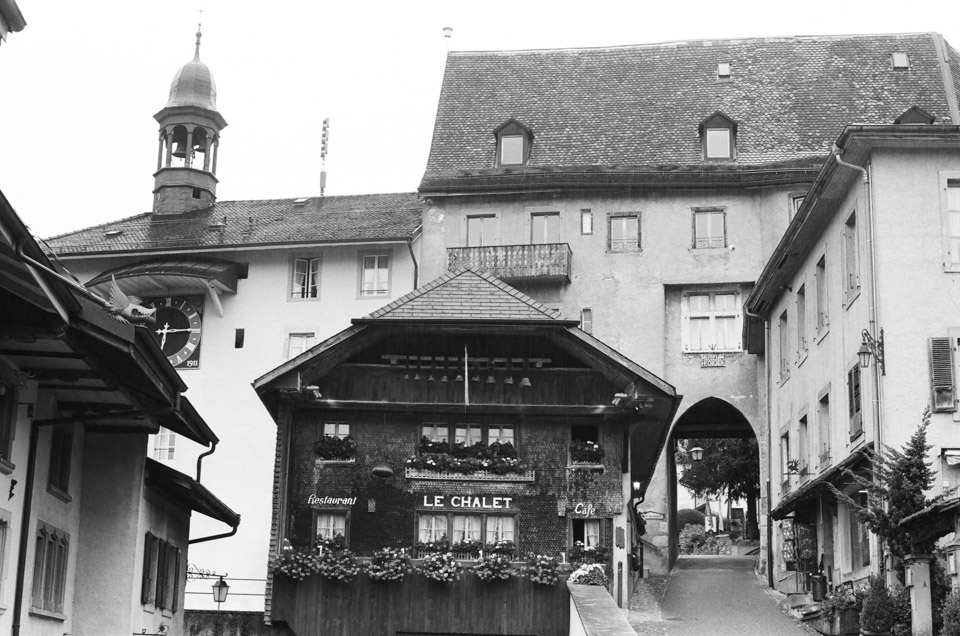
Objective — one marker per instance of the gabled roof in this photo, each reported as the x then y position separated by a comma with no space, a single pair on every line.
232,224
635,109
466,295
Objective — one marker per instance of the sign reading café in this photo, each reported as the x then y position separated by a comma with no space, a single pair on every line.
485,502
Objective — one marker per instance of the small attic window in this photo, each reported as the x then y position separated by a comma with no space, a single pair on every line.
513,143
900,60
112,233
723,70
300,201
718,136
915,115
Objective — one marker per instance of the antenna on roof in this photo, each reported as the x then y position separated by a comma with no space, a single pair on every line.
447,33
324,139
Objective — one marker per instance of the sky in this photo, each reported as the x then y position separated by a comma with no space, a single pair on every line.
80,84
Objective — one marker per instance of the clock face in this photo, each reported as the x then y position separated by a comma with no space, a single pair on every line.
178,329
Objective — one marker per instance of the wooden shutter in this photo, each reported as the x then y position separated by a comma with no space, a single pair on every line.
161,585
941,375
174,602
147,587
853,400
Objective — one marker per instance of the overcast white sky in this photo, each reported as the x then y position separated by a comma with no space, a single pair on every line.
79,86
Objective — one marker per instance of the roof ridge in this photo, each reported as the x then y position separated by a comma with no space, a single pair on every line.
416,293
516,293
99,225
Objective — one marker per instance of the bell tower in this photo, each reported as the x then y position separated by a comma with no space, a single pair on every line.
189,141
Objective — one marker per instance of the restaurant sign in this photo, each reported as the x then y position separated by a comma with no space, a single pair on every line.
314,500
467,501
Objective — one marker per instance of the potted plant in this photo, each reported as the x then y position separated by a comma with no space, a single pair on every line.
295,564
877,610
440,566
502,546
589,574
338,565
541,569
388,564
586,452
467,549
330,447
493,567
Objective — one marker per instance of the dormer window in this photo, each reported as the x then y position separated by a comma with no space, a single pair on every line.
915,115
513,143
723,70
899,60
718,134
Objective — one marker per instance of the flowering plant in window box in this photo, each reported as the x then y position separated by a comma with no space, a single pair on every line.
589,574
335,543
502,546
428,446
465,466
296,564
581,553
493,567
330,447
541,569
586,452
468,547
440,545
388,564
440,566
338,565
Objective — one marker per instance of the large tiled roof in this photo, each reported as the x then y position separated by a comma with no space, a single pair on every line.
468,295
228,224
600,112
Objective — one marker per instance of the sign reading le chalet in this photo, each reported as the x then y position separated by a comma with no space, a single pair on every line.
467,501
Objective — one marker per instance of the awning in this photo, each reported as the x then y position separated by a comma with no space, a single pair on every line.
163,277
189,493
792,501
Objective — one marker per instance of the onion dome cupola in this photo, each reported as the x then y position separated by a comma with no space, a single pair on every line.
190,128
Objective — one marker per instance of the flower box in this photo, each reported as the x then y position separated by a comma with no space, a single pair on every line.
480,475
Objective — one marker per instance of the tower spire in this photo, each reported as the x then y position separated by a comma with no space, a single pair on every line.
196,55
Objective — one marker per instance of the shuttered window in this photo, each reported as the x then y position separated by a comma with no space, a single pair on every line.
941,374
854,401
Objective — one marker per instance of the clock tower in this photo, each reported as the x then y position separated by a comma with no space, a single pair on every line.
189,142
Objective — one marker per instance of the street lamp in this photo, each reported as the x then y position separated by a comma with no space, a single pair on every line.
871,347
220,589
697,453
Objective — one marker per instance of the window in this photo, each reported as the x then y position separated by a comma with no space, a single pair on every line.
435,432
718,137
851,266
544,228
502,433
796,200
803,449
164,444
853,401
801,321
453,529
723,70
900,60
238,339
785,456
8,422
586,320
466,528
337,429
61,451
160,583
500,528
331,525
50,568
709,229
859,535
950,204
481,230
711,321
297,343
468,434
432,528
784,331
513,143
586,221
823,321
823,424
4,536
941,374
374,275
624,234
305,282
586,531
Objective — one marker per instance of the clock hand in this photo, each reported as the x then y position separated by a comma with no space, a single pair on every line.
187,329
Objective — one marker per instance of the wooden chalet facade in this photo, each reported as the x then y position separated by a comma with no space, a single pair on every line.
464,362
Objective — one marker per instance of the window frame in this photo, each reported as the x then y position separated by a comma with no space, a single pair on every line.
5,519
715,123
555,216
851,259
51,561
362,256
586,221
339,513
508,130
824,426
572,531
709,213
625,244
794,203
61,460
950,243
164,444
823,297
484,426
448,516
586,320
687,316
785,457
783,336
306,336
309,271
943,376
9,410
484,219
801,301
855,400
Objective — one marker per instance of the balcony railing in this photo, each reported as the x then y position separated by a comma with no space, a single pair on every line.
549,261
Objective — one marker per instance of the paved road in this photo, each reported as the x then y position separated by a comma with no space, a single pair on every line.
720,596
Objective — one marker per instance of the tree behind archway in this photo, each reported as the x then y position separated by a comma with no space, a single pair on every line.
730,467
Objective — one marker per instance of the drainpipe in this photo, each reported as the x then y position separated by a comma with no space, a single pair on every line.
213,447
214,537
416,266
769,524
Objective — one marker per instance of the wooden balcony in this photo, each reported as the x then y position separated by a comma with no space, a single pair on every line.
546,262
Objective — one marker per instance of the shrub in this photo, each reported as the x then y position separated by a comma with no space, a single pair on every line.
951,615
589,574
296,564
877,612
493,567
902,614
692,537
541,569
388,564
338,565
440,566
841,598
689,517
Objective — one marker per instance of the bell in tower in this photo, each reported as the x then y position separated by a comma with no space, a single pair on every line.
189,142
